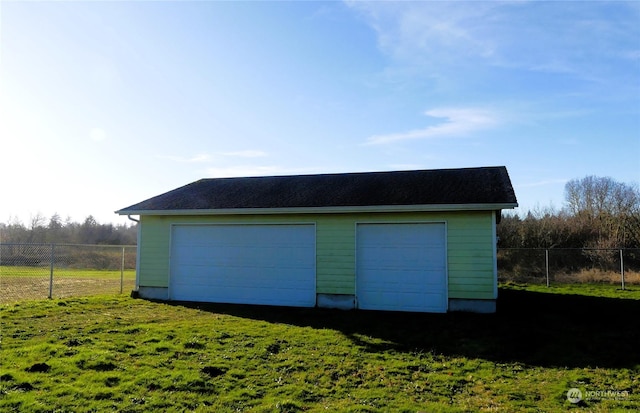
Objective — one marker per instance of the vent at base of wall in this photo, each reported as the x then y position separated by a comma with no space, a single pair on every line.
339,301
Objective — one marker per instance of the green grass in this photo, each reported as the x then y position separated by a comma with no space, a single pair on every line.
22,271
32,283
608,290
121,354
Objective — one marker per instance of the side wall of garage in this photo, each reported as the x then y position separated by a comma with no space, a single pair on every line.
471,257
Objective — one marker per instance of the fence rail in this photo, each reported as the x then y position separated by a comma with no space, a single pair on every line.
570,265
37,271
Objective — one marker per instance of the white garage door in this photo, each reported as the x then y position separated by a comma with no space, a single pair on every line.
248,264
401,267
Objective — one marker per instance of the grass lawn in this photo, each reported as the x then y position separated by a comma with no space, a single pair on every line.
127,355
11,271
605,289
32,283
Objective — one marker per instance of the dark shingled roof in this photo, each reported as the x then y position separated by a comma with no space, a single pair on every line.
488,185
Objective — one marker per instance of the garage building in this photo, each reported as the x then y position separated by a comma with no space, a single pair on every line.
422,240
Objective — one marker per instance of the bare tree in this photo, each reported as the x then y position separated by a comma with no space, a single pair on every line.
37,229
595,196
610,210
58,231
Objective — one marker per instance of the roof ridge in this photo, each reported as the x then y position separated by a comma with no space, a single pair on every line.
355,173
453,186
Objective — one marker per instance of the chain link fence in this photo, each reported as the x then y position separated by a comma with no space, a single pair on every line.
39,271
570,265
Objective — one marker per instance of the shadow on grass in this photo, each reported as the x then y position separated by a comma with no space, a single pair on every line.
542,329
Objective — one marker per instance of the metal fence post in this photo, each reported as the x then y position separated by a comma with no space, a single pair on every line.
546,263
622,268
51,271
122,272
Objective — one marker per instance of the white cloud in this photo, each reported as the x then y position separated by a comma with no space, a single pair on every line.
427,32
543,183
569,141
205,157
97,135
202,157
104,72
241,170
198,158
406,166
552,37
457,122
630,54
245,154
257,170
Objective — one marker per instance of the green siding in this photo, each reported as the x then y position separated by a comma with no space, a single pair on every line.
471,257
154,252
470,249
335,249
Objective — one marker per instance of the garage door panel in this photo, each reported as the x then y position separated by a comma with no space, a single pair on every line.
401,267
407,257
254,264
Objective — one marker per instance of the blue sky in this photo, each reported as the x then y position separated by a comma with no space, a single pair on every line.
104,104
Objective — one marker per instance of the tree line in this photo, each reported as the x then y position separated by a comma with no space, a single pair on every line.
599,212
56,231
600,217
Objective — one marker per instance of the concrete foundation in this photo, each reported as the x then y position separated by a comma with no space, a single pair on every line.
153,293
340,301
472,306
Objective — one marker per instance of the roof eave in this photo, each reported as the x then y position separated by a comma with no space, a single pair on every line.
326,210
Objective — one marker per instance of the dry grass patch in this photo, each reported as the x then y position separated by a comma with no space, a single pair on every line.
598,276
585,276
24,283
